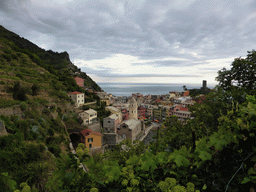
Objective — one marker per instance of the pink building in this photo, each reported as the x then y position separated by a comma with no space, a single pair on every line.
181,112
141,112
79,81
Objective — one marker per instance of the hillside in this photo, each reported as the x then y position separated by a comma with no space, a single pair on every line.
12,46
35,110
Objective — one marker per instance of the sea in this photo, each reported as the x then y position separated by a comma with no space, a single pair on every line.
126,89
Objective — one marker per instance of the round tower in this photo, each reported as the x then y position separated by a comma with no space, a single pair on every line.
133,109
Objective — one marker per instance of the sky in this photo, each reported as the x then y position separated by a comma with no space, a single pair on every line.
139,41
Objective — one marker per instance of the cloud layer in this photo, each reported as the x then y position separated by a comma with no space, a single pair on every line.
137,40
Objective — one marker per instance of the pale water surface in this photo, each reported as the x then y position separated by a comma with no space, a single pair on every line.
126,89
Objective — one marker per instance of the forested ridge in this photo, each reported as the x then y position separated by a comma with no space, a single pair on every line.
214,151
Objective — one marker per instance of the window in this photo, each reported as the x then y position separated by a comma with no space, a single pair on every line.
78,96
108,121
90,146
82,100
90,140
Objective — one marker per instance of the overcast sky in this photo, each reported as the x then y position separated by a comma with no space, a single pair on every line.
148,41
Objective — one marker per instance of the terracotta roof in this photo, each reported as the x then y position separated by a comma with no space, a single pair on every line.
97,133
87,132
74,93
183,109
158,100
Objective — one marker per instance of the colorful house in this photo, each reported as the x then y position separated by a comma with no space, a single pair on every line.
91,139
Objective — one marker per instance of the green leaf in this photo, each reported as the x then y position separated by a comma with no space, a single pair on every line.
252,125
173,173
246,180
205,155
160,158
147,164
133,160
181,161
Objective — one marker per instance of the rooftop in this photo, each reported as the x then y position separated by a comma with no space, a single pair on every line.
132,123
113,116
87,132
75,93
90,111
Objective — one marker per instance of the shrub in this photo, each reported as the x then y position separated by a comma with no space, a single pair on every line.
2,82
35,89
51,132
19,92
55,150
23,106
81,145
7,57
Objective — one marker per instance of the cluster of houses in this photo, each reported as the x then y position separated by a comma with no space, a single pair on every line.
116,127
129,115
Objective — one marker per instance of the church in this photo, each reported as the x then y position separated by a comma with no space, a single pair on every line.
131,128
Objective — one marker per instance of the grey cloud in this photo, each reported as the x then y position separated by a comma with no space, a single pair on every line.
147,29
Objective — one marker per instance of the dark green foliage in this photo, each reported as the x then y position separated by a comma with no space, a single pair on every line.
35,89
23,106
7,57
19,92
54,149
195,92
20,75
241,77
51,132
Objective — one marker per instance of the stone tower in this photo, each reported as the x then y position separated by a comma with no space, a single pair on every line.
133,109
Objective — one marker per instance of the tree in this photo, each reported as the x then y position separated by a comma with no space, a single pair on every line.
19,92
35,89
241,77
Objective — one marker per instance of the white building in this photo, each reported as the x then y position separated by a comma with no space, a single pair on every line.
88,116
77,97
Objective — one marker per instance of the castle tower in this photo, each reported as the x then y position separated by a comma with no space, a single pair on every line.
133,109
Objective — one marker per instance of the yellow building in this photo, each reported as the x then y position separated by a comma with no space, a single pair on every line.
91,139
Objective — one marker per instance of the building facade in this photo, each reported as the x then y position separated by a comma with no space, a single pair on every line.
133,109
91,139
130,129
77,97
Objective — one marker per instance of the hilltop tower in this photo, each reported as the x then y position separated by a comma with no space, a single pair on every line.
204,84
133,109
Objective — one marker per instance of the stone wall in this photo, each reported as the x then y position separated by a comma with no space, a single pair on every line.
11,111
3,131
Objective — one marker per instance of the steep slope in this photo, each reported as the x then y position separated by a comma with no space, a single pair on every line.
49,60
33,105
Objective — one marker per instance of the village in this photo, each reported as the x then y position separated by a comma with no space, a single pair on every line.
131,117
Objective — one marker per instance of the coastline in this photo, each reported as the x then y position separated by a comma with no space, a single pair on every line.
126,89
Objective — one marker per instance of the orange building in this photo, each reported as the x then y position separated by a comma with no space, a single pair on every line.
91,139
